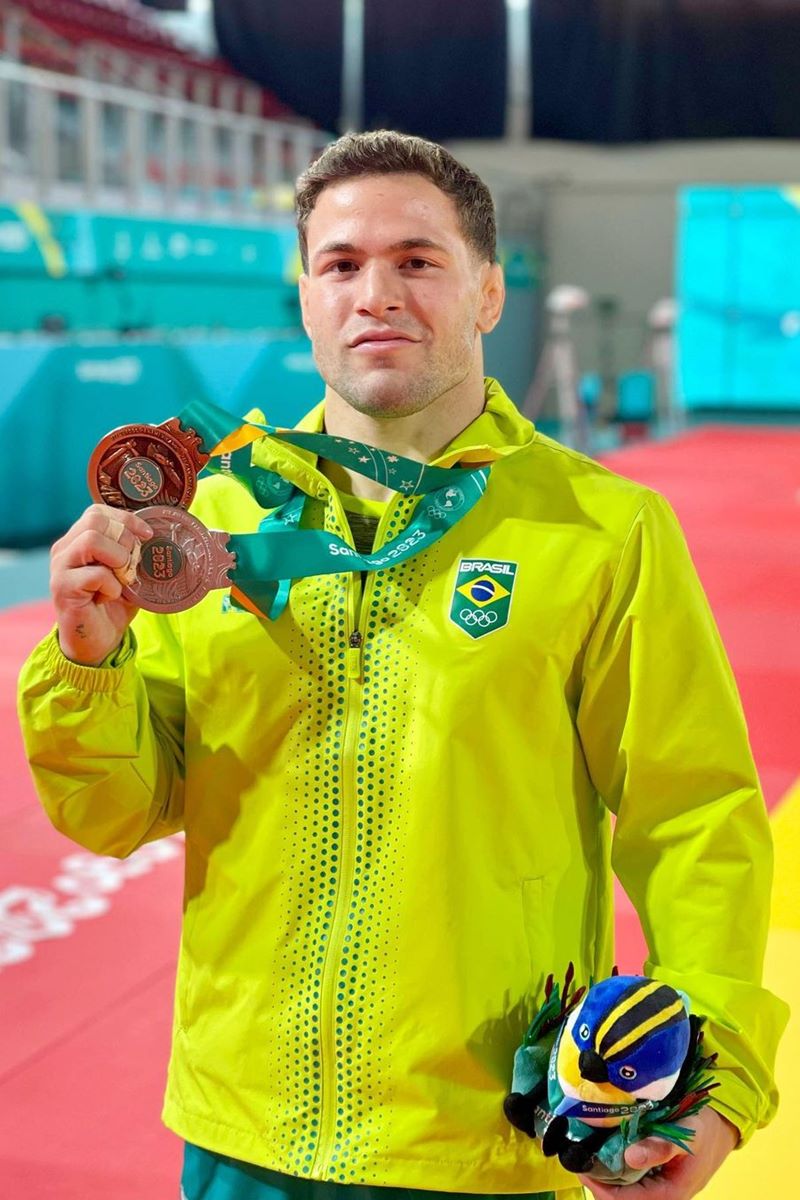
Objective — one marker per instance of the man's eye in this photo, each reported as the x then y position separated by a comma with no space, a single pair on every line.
417,264
343,267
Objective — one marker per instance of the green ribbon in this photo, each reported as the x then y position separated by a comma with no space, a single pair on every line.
267,561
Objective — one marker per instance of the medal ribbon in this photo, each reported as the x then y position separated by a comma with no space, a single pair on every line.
267,561
223,436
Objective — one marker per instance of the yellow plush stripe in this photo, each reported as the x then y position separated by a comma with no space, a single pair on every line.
646,1027
625,1006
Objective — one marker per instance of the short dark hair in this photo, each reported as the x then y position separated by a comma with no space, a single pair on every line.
385,152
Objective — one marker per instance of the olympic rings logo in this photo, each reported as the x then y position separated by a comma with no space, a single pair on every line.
476,616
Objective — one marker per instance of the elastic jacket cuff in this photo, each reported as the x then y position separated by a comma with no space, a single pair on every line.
106,677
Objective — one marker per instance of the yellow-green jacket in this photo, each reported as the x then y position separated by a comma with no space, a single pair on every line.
389,846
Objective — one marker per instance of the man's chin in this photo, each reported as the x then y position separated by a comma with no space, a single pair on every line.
384,401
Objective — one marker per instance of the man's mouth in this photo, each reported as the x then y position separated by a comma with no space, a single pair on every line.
381,339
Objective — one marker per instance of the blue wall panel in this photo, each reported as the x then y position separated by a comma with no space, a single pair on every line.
58,401
100,271
738,286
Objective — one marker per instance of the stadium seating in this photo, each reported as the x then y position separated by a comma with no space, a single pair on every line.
64,35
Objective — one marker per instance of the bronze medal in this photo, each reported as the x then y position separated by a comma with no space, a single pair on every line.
140,465
180,564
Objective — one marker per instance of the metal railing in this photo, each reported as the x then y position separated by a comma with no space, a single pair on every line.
27,40
66,141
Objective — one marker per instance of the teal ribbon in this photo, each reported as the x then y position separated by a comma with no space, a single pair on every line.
405,475
267,561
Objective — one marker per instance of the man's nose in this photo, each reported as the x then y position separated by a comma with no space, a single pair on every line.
380,289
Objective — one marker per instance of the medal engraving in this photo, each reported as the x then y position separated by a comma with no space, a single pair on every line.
141,479
161,560
180,564
138,465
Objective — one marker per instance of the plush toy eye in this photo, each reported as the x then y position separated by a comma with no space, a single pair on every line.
628,1072
583,1032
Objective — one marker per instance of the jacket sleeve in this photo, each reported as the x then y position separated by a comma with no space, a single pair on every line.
105,744
666,745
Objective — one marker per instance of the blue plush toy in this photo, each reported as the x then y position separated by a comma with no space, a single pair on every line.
600,1070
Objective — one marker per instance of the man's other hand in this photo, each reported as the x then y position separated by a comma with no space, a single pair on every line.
680,1175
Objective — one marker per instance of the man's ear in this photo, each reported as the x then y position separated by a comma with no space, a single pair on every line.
302,285
493,295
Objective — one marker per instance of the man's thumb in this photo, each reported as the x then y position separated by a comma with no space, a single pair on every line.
652,1152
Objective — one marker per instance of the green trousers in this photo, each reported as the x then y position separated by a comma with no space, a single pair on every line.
209,1176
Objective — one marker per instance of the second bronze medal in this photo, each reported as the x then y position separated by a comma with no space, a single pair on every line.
180,564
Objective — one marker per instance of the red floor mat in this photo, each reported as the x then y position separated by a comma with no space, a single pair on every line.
87,953
737,494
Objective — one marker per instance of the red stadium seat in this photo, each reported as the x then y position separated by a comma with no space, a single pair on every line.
118,25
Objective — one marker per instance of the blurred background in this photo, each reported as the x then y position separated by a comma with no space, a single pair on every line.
641,153
645,160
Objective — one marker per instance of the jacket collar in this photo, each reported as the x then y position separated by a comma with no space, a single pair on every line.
500,428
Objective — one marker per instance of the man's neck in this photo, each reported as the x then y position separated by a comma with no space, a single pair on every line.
421,436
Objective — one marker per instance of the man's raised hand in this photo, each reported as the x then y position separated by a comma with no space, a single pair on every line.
92,616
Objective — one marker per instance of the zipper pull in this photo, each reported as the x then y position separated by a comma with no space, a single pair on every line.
355,645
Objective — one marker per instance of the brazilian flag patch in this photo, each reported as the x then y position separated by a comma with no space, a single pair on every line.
482,596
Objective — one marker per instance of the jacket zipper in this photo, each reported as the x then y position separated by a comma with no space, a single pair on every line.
358,607
355,647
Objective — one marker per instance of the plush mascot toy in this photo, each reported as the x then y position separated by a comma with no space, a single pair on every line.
600,1070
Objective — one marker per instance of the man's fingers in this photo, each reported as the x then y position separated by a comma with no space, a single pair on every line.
658,1186
678,1173
127,574
117,524
101,535
113,525
652,1152
86,583
89,546
114,529
643,1156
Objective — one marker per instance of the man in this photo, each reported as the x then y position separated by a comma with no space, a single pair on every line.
396,795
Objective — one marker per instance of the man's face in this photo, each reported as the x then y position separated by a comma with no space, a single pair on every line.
394,298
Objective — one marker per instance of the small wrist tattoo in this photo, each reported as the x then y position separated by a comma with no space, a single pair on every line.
81,631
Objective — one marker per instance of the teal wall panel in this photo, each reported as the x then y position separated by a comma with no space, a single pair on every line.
738,287
59,400
282,382
100,271
510,350
18,364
